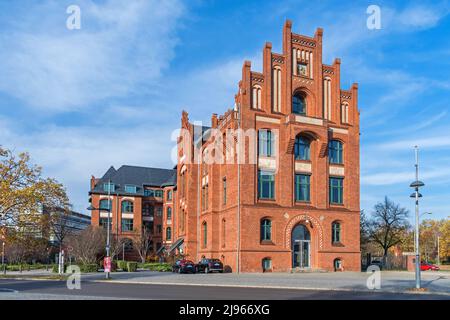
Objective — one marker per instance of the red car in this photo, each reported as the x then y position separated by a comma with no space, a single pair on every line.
428,266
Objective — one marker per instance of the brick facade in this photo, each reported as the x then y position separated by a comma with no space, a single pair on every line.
264,101
217,208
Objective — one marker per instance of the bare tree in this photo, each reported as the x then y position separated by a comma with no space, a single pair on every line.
142,243
115,245
387,225
87,245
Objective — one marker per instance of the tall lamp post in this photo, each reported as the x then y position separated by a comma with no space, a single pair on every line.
108,223
416,195
3,257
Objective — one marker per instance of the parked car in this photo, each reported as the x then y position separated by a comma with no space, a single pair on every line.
209,265
424,266
184,266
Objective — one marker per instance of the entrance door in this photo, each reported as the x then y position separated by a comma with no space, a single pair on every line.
301,247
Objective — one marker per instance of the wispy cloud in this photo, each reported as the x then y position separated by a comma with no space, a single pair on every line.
122,48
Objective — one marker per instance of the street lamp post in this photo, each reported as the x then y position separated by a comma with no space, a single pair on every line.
416,195
3,257
108,223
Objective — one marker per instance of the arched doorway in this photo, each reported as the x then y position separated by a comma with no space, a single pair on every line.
301,247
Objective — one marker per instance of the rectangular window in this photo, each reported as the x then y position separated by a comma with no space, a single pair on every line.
159,228
159,211
265,143
302,187
336,190
130,188
266,185
127,225
103,222
109,187
158,193
224,190
169,195
149,193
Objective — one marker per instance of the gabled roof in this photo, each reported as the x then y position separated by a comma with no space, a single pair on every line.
136,176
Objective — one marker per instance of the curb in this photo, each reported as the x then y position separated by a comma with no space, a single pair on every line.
270,287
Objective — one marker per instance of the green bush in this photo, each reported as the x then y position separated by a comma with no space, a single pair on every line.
131,266
85,268
55,268
162,267
121,264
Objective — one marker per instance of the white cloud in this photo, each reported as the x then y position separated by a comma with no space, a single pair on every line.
121,48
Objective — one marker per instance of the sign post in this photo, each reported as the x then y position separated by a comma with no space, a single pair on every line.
107,264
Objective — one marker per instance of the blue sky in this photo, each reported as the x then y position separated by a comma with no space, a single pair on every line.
112,92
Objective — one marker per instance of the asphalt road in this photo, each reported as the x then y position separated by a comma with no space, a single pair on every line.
33,289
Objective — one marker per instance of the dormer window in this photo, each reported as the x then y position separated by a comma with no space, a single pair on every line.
130,188
109,187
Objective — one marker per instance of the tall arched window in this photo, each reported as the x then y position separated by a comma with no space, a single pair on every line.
169,213
335,149
168,233
105,204
127,206
336,232
266,230
299,104
205,234
276,88
302,148
224,237
256,97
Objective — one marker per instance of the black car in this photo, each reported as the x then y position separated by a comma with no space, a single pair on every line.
184,266
209,265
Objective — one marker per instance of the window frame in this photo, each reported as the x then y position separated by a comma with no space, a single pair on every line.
272,190
298,187
300,98
265,230
305,142
126,222
336,232
339,187
335,152
122,206
265,143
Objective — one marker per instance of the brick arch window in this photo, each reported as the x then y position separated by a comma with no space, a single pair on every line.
224,230
205,234
337,264
256,97
299,103
266,264
168,233
302,148
336,152
127,206
266,229
344,112
336,232
327,98
276,88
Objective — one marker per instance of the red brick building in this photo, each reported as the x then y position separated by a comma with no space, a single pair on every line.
273,184
139,198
